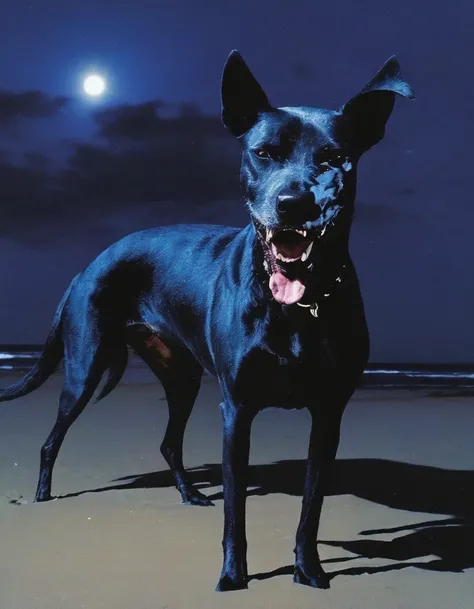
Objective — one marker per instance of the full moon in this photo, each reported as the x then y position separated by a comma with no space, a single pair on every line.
94,85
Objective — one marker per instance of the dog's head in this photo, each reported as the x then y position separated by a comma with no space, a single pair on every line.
299,167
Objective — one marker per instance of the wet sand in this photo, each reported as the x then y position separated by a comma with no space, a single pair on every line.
397,527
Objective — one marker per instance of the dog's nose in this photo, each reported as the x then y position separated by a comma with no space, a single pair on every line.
299,207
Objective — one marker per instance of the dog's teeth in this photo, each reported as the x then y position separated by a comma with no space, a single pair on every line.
307,252
304,233
284,259
269,234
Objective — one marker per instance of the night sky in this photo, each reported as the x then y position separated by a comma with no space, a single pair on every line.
78,173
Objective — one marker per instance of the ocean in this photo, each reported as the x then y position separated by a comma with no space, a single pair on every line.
19,358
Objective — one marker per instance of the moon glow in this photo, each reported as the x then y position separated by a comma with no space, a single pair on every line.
94,85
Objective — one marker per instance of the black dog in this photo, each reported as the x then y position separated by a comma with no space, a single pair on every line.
273,310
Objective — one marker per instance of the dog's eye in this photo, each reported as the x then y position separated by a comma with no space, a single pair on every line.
262,153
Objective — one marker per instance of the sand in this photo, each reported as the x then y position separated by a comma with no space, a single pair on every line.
396,533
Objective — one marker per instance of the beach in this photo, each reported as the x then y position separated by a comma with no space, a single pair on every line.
396,531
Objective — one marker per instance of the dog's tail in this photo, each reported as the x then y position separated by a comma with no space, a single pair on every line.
48,361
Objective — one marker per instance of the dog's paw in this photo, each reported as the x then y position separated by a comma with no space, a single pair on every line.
228,583
192,496
43,497
315,577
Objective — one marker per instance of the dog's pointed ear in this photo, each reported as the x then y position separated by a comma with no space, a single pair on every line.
243,99
370,109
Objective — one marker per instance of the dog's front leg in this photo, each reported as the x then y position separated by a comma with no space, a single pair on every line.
235,459
324,441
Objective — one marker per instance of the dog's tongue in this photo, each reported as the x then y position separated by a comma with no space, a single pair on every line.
284,290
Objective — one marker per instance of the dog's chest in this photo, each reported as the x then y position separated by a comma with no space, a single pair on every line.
285,368
298,340
266,379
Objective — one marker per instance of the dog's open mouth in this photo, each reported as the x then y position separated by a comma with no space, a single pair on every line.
289,245
287,254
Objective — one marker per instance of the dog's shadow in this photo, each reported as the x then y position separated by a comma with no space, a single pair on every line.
402,486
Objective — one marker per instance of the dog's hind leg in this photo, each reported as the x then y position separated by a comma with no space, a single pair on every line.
181,394
180,374
74,398
84,364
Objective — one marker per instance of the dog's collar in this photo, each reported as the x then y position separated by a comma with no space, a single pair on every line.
314,307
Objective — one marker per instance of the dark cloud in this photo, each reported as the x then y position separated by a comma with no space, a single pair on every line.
28,104
136,123
155,120
146,154
37,160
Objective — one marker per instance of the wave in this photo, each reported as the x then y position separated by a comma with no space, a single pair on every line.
19,359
